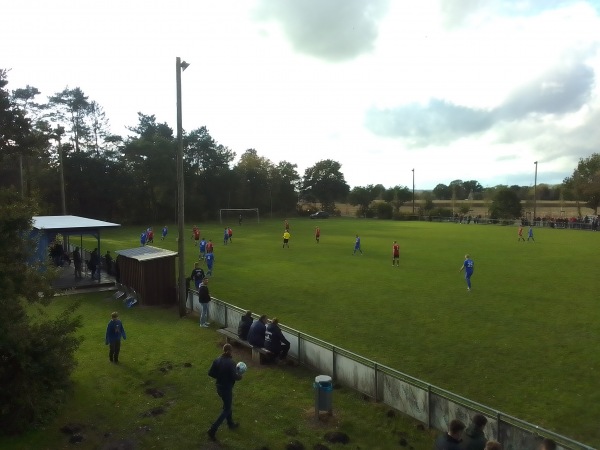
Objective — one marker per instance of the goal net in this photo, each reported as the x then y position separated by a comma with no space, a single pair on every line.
238,214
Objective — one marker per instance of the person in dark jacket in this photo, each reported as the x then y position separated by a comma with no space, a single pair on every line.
474,439
114,333
94,264
204,298
77,262
275,341
256,334
223,370
244,325
548,444
452,439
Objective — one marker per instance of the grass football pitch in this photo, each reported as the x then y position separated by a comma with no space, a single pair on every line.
525,340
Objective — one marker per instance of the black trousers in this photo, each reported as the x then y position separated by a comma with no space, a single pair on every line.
115,348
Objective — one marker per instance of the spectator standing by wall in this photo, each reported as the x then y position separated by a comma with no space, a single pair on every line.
204,298
452,439
548,444
474,439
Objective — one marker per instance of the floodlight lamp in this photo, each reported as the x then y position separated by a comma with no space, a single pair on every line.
183,65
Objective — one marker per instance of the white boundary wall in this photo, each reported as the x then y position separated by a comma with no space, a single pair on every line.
433,406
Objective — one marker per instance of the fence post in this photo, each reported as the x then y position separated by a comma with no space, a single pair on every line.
429,406
333,360
376,384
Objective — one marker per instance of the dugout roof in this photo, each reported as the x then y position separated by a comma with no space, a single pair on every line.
70,224
146,253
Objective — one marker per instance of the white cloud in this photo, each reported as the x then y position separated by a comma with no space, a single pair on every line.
488,87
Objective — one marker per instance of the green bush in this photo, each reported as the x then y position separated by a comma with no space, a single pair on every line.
384,210
36,353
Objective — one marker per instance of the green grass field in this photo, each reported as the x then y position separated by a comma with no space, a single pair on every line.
273,404
524,341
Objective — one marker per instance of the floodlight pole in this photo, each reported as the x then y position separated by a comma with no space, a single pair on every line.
180,67
535,192
413,191
59,131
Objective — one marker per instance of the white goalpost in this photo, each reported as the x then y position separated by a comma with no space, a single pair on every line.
241,211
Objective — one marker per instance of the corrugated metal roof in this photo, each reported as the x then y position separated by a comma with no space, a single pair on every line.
67,222
146,253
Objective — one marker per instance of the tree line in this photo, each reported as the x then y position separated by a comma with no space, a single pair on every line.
132,179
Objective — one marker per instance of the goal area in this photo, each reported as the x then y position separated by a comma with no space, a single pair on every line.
234,214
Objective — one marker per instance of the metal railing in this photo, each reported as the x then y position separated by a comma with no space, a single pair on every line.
429,404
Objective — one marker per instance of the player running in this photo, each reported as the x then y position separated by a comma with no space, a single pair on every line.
468,265
202,254
520,234
210,261
395,254
195,234
225,236
165,230
317,234
357,245
530,234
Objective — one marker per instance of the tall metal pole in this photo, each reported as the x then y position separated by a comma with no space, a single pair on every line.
62,175
535,193
21,175
413,192
180,196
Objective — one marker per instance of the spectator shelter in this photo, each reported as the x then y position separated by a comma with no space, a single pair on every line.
47,228
151,272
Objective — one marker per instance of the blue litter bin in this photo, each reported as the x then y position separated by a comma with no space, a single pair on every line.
323,388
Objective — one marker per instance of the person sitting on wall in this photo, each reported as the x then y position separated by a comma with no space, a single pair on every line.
275,341
244,325
256,334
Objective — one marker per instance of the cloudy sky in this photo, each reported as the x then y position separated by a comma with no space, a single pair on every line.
456,89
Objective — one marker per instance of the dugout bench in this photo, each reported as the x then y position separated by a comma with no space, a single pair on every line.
260,355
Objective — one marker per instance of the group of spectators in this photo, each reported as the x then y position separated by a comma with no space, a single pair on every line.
60,256
461,437
264,333
578,223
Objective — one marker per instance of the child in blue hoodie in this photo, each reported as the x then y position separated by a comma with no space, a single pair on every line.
114,332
